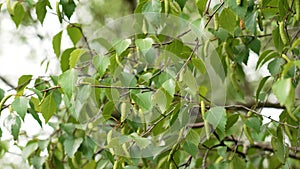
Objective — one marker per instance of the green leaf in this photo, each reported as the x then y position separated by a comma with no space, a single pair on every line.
152,6
190,148
41,10
71,146
278,148
65,59
144,44
29,149
118,141
277,40
108,109
1,6
75,56
2,93
48,107
88,148
128,79
250,21
74,32
199,64
121,46
20,105
227,20
15,127
254,123
143,100
37,161
216,116
260,86
181,3
193,136
56,42
253,44
90,165
285,92
231,120
18,13
268,58
9,8
169,86
101,63
275,66
297,63
179,49
283,7
201,4
162,99
240,10
189,80
68,7
23,81
68,81
140,141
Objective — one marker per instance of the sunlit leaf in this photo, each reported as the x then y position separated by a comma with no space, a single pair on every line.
20,105
75,56
48,107
68,81
190,148
143,100
121,46
41,10
71,146
68,7
56,42
227,20
74,32
18,13
101,63
216,116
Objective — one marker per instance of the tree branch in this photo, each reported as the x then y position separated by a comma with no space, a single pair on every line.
4,80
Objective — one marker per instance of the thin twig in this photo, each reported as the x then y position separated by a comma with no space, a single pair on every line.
154,124
4,80
188,59
257,113
204,159
211,16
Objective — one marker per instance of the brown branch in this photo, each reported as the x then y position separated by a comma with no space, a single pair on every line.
211,16
4,80
189,58
267,147
204,166
154,124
